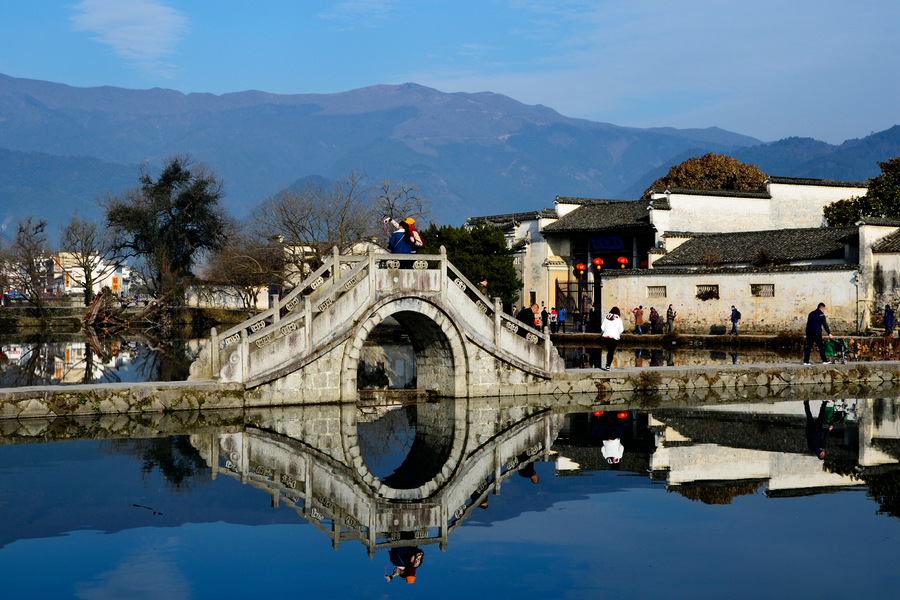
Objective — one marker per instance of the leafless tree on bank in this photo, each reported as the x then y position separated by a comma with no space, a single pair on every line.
92,254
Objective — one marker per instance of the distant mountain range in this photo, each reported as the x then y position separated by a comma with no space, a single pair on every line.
473,154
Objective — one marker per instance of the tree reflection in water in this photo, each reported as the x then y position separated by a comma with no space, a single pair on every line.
176,459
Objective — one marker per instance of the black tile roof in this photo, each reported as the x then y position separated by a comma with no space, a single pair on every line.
879,222
820,182
762,193
743,247
511,220
726,270
889,243
599,215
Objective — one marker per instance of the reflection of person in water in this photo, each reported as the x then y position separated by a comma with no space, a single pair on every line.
529,473
610,429
814,438
405,560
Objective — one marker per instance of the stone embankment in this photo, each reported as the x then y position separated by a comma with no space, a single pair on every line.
585,387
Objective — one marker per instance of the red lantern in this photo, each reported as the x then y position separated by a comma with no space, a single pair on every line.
580,267
599,413
598,262
623,261
622,415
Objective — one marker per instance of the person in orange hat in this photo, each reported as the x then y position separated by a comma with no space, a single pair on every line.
414,233
405,560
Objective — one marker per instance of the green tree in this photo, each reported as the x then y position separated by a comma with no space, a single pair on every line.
169,222
712,172
480,252
881,200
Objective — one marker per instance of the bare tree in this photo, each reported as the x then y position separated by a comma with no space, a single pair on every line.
90,254
246,263
399,200
28,258
309,222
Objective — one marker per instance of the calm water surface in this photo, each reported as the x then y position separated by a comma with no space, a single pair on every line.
721,501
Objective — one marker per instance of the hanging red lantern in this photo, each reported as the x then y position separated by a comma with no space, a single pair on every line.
580,267
598,262
623,261
622,415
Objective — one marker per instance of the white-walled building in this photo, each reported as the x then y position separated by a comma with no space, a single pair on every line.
766,251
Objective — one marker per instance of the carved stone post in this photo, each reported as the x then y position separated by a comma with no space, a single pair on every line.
213,353
307,323
547,348
497,310
276,308
245,356
335,267
443,275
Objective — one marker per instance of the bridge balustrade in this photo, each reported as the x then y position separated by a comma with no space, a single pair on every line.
330,301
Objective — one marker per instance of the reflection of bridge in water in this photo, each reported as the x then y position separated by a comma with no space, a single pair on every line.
309,459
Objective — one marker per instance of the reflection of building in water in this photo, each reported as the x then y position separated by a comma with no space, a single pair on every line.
66,362
309,459
742,447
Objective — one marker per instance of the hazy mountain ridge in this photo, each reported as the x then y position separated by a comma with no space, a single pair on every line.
473,154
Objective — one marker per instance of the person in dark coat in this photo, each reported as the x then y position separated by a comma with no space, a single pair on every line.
814,438
529,315
405,560
888,321
401,240
815,323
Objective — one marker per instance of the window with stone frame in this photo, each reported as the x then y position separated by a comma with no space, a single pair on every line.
707,292
762,290
656,291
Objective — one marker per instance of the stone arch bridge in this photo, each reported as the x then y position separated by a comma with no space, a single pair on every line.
306,348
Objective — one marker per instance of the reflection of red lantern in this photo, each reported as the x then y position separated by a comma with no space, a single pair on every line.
623,261
598,262
599,413
580,267
622,415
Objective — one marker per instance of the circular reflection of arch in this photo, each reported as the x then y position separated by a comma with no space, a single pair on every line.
440,427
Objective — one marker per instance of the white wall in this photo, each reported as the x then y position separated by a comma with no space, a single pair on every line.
796,294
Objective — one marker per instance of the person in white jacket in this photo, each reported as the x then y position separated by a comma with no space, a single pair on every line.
611,330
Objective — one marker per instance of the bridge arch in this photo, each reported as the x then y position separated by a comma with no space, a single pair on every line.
437,341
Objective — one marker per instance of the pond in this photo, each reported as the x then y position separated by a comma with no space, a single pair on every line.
504,498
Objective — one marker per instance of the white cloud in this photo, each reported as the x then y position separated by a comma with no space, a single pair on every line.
141,31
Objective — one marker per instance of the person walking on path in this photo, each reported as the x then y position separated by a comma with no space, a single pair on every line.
670,319
561,316
611,329
638,319
654,321
735,317
815,323
554,319
888,321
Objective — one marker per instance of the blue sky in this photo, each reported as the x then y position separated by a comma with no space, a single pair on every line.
771,69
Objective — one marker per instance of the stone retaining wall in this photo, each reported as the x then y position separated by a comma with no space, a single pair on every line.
656,386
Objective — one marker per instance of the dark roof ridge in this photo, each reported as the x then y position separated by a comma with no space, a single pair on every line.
695,234
592,201
819,182
727,270
879,221
760,193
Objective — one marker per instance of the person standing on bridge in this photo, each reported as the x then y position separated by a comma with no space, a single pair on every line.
401,241
530,316
611,330
815,322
